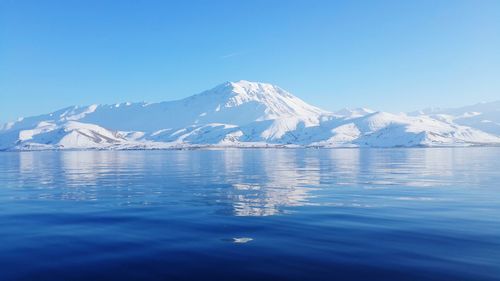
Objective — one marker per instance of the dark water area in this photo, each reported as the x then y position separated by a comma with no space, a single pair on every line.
242,214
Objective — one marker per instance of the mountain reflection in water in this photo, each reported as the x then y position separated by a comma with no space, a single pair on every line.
251,214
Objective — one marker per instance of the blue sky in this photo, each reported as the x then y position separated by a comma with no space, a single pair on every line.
387,55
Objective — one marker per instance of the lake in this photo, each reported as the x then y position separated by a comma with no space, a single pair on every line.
251,214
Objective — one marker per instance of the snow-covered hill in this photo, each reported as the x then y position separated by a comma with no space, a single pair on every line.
245,114
482,116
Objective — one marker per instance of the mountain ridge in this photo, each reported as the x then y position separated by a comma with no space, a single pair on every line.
243,114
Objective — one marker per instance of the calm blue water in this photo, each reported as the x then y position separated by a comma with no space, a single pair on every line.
342,214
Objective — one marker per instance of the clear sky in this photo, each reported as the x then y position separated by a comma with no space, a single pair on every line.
387,55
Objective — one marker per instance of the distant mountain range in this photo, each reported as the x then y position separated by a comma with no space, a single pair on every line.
248,114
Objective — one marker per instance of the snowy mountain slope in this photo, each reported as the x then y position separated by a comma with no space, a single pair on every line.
230,103
386,130
354,112
237,114
70,135
381,129
481,116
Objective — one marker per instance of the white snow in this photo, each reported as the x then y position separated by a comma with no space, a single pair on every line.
248,114
481,116
354,112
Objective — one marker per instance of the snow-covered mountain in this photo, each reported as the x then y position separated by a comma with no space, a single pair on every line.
482,116
354,112
244,114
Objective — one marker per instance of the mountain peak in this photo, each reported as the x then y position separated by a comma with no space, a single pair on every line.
244,113
354,112
245,87
273,100
250,84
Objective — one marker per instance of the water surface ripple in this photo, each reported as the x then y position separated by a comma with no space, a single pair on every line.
243,214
